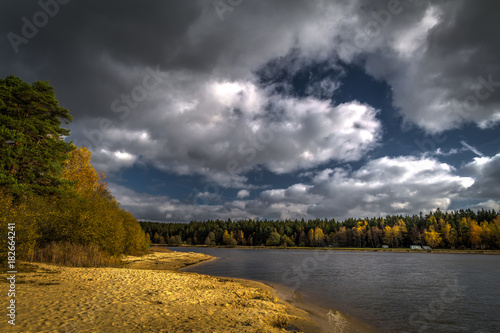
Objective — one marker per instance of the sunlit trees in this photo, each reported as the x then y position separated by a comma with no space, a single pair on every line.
48,187
228,239
475,234
86,181
388,235
449,235
495,232
360,232
432,237
446,229
274,239
319,237
286,241
240,237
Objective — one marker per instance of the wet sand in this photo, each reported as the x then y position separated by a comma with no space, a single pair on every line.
328,320
149,295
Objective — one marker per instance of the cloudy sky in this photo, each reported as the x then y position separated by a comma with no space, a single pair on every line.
273,109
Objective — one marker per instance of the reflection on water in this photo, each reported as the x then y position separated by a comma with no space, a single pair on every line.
394,292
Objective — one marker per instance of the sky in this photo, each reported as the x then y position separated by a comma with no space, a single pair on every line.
273,109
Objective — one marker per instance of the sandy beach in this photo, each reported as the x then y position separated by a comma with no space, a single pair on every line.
66,299
149,294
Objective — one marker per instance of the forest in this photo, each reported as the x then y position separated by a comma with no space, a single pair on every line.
463,229
53,203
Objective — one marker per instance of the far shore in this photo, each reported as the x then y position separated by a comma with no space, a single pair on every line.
394,250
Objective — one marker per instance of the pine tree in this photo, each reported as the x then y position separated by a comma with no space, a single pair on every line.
31,145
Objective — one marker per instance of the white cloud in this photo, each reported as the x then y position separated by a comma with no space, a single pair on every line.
104,159
242,194
471,148
488,205
486,171
412,39
226,128
401,185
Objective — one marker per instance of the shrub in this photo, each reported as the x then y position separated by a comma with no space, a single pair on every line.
74,255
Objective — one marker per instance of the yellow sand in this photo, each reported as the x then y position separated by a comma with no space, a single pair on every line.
64,299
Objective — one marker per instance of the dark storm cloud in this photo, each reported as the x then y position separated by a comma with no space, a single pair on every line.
76,46
441,61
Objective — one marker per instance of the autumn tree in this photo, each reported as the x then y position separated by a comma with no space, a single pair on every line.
310,237
359,233
495,231
400,232
432,237
240,237
86,181
228,239
475,234
388,235
449,234
319,237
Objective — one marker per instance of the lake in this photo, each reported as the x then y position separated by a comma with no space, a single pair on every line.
392,292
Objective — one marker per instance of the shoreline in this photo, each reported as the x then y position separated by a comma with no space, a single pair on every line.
149,294
340,249
327,320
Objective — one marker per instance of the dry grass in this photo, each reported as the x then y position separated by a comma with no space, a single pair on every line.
279,321
159,248
75,255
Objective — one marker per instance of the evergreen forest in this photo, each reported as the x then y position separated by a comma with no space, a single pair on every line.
463,229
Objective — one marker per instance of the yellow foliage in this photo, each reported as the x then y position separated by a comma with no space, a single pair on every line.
432,237
475,234
86,179
388,235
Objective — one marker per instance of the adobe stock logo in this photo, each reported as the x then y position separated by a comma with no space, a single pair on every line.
123,106
30,28
223,6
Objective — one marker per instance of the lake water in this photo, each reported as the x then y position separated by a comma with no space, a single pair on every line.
392,292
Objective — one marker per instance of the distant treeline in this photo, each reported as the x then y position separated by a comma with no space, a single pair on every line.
456,229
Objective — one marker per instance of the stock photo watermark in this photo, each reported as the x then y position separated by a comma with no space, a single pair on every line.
123,106
483,90
11,273
254,143
449,295
299,273
222,7
30,27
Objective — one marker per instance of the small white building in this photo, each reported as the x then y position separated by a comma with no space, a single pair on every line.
415,247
